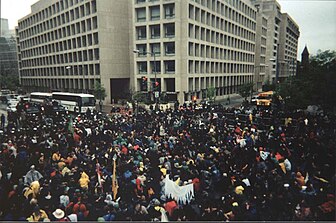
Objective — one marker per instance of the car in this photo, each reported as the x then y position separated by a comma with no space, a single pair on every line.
11,108
12,102
254,99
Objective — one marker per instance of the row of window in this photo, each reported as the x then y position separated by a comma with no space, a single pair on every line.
198,83
78,56
70,44
55,35
155,31
54,23
80,11
155,67
211,19
154,13
207,67
205,51
73,70
155,48
220,8
211,36
68,83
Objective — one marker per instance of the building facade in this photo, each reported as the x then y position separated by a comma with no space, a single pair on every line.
282,41
198,44
169,49
260,51
69,45
289,36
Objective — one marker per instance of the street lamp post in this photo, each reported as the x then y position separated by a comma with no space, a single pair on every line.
155,92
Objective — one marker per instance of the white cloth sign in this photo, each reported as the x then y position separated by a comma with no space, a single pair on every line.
264,155
182,194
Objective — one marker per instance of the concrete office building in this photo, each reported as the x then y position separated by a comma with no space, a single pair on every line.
69,45
183,47
272,11
197,44
282,41
289,35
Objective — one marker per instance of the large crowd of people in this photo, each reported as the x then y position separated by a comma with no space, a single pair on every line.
242,163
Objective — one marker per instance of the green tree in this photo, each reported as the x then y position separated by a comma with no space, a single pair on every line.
211,93
245,90
316,87
99,93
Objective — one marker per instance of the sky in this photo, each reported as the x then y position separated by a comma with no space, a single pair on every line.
316,19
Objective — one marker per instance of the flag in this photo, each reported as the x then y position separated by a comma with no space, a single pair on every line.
114,178
99,176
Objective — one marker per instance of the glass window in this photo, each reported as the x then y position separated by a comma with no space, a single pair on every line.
141,32
142,67
169,11
156,67
170,66
142,50
88,101
155,48
170,49
141,14
155,13
170,30
155,32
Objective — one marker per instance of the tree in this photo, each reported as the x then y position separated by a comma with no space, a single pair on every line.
245,90
100,93
316,87
211,93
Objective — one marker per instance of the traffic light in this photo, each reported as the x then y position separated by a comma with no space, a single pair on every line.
144,83
157,84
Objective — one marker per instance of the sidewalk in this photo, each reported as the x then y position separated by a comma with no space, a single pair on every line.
235,101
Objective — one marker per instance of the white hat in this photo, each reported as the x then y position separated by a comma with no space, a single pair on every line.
59,214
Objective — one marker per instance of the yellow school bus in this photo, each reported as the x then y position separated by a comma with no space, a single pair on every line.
265,98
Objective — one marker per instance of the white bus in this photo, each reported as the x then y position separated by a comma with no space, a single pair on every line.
75,102
40,97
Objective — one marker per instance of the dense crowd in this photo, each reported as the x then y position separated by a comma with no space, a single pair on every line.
244,164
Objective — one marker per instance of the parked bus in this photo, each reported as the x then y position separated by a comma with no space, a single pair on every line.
40,97
74,102
264,98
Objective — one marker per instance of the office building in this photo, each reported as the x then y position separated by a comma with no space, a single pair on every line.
197,44
182,47
282,41
289,35
69,45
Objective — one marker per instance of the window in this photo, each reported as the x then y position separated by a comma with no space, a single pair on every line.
155,13
155,48
170,30
142,50
170,66
141,15
140,1
155,32
170,49
169,11
156,67
141,32
142,67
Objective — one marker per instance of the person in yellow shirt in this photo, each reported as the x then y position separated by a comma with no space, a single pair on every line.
84,181
38,215
56,156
